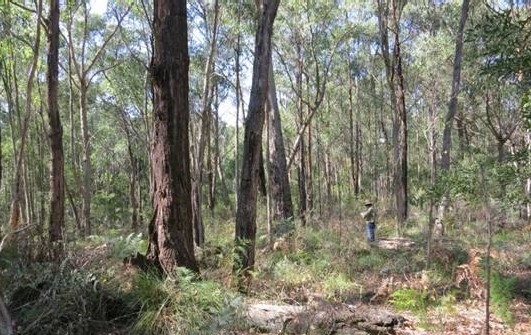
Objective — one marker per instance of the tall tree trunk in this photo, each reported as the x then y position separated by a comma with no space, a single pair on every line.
456,80
401,178
19,171
281,204
86,164
354,137
245,235
171,229
204,138
213,159
301,178
57,187
395,82
134,197
239,103
82,71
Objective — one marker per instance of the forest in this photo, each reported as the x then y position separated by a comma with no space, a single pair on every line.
216,167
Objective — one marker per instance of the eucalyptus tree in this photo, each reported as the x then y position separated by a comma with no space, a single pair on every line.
127,102
456,79
87,39
170,229
281,204
57,189
306,54
28,112
245,232
503,40
210,16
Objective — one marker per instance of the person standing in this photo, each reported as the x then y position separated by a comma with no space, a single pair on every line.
369,215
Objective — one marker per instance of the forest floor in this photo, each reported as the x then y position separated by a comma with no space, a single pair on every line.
317,282
462,313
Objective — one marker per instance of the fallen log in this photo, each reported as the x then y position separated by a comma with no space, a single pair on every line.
323,317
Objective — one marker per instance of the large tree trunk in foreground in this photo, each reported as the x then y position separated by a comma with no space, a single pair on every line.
57,188
170,230
245,234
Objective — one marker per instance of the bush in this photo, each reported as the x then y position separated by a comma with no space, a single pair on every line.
501,294
410,299
183,305
51,300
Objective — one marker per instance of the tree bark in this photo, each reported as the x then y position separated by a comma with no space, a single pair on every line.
401,178
245,235
281,204
57,187
170,230
395,82
456,80
86,164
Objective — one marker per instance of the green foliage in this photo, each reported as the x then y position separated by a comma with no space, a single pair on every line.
338,285
120,246
502,39
368,260
501,295
526,109
411,300
46,299
183,305
291,272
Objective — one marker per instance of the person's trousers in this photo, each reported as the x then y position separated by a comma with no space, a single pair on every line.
371,228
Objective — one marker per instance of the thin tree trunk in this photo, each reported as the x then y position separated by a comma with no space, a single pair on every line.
239,102
352,137
456,80
281,204
204,138
82,71
57,188
19,171
86,165
401,179
301,176
432,145
171,228
134,176
213,163
245,235
395,82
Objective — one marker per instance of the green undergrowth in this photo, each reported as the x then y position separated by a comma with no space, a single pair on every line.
181,304
47,298
119,246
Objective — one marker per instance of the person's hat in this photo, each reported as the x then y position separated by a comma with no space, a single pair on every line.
368,203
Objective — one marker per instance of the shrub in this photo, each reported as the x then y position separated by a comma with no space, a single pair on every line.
410,299
47,300
501,294
337,285
183,305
